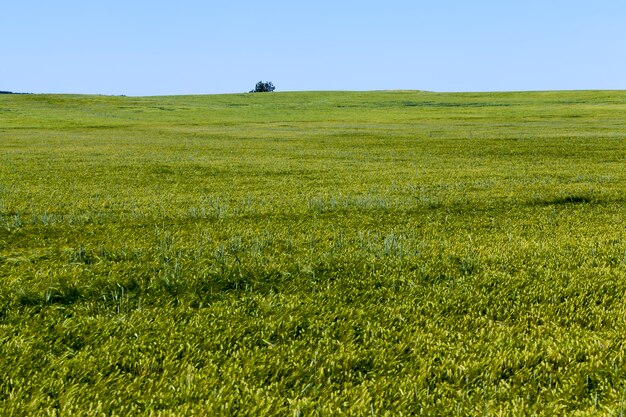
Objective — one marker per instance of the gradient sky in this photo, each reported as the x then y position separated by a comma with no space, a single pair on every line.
138,47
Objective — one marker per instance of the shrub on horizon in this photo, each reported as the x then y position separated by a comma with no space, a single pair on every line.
263,87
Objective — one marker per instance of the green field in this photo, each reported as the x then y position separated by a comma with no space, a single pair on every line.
303,254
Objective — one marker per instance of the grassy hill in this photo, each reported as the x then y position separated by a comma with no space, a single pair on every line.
322,253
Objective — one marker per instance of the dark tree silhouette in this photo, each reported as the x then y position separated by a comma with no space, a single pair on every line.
263,87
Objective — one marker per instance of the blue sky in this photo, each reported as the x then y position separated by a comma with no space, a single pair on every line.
197,47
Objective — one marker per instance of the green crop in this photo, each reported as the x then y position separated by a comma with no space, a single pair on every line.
374,254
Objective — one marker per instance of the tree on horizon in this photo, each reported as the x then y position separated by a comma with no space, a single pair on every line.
263,87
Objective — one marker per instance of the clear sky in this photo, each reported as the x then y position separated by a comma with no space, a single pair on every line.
155,47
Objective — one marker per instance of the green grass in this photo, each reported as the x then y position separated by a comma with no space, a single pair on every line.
383,253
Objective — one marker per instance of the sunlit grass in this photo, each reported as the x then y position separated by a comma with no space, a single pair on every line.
388,253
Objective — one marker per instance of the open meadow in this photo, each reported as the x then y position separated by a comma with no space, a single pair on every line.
323,253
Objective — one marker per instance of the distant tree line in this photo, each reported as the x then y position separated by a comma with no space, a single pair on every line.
10,92
263,87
